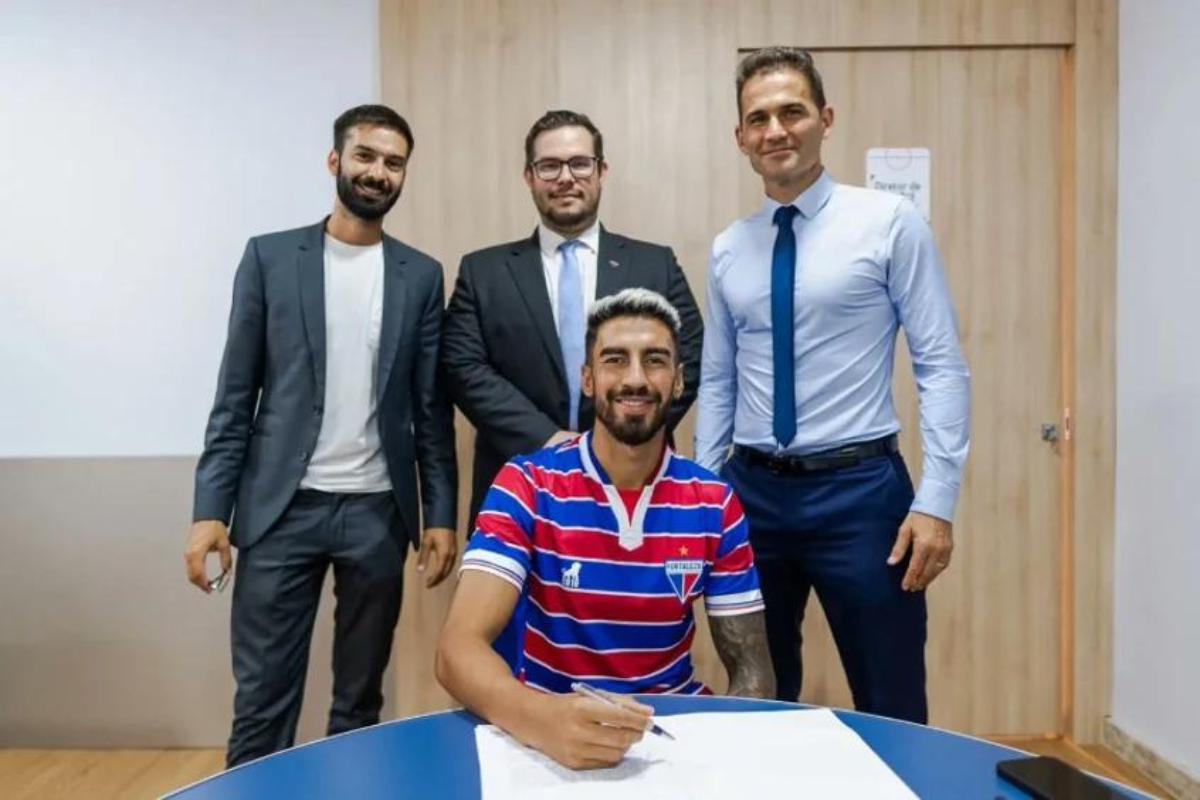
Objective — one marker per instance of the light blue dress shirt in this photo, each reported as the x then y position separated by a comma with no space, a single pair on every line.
866,264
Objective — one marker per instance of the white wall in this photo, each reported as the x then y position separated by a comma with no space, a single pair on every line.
143,142
1156,694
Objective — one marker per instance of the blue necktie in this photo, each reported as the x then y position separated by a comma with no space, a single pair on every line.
783,326
571,324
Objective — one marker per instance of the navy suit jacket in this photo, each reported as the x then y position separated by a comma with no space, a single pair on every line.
268,409
502,357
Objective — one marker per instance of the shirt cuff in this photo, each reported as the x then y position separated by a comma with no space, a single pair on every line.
710,456
503,567
212,505
731,605
937,499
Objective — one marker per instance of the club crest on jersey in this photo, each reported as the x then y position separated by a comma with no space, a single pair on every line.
683,573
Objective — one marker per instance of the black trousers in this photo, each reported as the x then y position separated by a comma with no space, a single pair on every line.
276,590
832,532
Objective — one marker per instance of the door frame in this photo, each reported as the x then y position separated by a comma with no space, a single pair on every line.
1087,236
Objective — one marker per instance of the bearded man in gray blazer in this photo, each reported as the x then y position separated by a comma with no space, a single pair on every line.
328,414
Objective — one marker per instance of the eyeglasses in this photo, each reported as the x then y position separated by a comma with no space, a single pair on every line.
548,169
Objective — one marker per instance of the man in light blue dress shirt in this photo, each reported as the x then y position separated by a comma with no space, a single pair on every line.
805,297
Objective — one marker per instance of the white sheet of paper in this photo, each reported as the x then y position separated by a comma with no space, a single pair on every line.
802,753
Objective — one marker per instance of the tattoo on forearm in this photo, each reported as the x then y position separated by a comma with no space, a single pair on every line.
741,642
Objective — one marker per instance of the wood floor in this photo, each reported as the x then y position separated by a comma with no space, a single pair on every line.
97,774
1090,757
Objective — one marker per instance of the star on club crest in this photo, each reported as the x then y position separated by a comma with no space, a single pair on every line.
683,573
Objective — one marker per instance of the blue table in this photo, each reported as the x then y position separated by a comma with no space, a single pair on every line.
433,756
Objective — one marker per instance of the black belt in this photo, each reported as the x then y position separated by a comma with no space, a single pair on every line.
315,495
838,458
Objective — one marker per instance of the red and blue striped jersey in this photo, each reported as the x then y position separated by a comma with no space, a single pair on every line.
606,595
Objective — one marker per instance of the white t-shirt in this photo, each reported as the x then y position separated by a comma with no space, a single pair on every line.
349,454
552,263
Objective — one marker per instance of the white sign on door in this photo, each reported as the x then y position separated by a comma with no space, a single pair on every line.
901,170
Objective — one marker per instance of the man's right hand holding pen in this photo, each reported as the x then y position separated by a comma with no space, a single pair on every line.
580,732
611,699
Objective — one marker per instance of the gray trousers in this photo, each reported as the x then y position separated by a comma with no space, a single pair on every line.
276,589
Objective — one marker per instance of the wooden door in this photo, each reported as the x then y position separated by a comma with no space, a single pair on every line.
991,118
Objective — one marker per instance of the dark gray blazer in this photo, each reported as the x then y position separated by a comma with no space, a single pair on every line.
268,409
501,355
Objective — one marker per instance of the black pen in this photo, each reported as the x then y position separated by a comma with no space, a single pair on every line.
589,692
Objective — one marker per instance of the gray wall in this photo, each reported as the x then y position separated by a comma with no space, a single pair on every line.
103,643
1156,633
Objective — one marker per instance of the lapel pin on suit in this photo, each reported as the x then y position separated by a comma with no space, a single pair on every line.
612,263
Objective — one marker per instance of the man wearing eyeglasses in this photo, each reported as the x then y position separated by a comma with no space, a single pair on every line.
513,339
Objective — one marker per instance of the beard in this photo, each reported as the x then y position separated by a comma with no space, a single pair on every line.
564,219
362,206
632,431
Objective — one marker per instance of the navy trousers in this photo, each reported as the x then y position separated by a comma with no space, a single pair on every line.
276,590
832,532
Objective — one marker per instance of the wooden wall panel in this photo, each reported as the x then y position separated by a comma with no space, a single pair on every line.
991,119
656,75
1095,364
914,23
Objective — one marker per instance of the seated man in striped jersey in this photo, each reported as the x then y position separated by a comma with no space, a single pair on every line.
587,556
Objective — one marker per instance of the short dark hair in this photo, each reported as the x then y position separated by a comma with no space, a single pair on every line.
561,118
773,59
633,302
370,115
